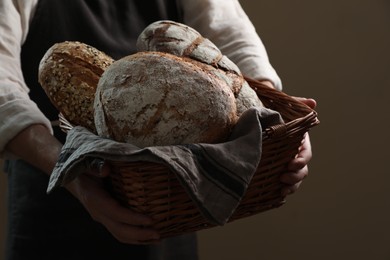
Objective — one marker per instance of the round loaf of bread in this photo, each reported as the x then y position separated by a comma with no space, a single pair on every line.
182,40
69,73
155,98
246,99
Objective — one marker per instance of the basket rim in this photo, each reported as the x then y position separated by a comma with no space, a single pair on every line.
305,116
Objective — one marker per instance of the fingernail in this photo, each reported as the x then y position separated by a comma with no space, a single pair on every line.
97,165
100,166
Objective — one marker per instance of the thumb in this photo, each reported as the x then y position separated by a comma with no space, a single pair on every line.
98,168
307,101
310,102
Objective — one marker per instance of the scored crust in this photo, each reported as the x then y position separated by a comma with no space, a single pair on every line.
184,41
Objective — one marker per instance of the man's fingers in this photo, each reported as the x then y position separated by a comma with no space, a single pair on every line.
127,216
291,178
297,168
307,101
123,223
303,157
128,226
287,190
132,234
310,102
106,206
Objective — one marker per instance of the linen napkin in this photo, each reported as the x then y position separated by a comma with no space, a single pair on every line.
215,176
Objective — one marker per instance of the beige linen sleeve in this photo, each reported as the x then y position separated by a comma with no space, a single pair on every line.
17,111
226,24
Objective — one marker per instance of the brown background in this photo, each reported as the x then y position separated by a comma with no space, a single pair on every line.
338,53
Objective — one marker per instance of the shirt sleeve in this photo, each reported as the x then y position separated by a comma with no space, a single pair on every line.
225,23
17,110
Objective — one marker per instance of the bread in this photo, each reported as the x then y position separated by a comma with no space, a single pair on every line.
155,98
177,89
184,41
246,99
69,73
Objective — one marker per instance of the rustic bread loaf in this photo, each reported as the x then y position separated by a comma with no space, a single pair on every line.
69,73
191,93
182,40
155,98
246,99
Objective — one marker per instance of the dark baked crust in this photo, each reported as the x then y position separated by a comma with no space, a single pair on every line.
69,73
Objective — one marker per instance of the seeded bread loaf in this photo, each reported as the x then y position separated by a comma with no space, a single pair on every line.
69,73
155,98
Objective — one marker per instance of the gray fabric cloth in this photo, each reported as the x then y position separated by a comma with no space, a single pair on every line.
215,176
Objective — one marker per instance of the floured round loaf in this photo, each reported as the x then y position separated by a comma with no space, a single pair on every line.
69,73
246,99
182,40
155,98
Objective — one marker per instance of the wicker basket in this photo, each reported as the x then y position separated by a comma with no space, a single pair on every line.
152,189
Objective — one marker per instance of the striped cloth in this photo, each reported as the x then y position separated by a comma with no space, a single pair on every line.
215,176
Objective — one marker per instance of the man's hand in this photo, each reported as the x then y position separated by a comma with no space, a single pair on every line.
38,147
125,225
297,168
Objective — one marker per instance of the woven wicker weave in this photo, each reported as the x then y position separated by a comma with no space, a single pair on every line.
152,189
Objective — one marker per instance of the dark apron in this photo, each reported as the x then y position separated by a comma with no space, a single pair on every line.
56,226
